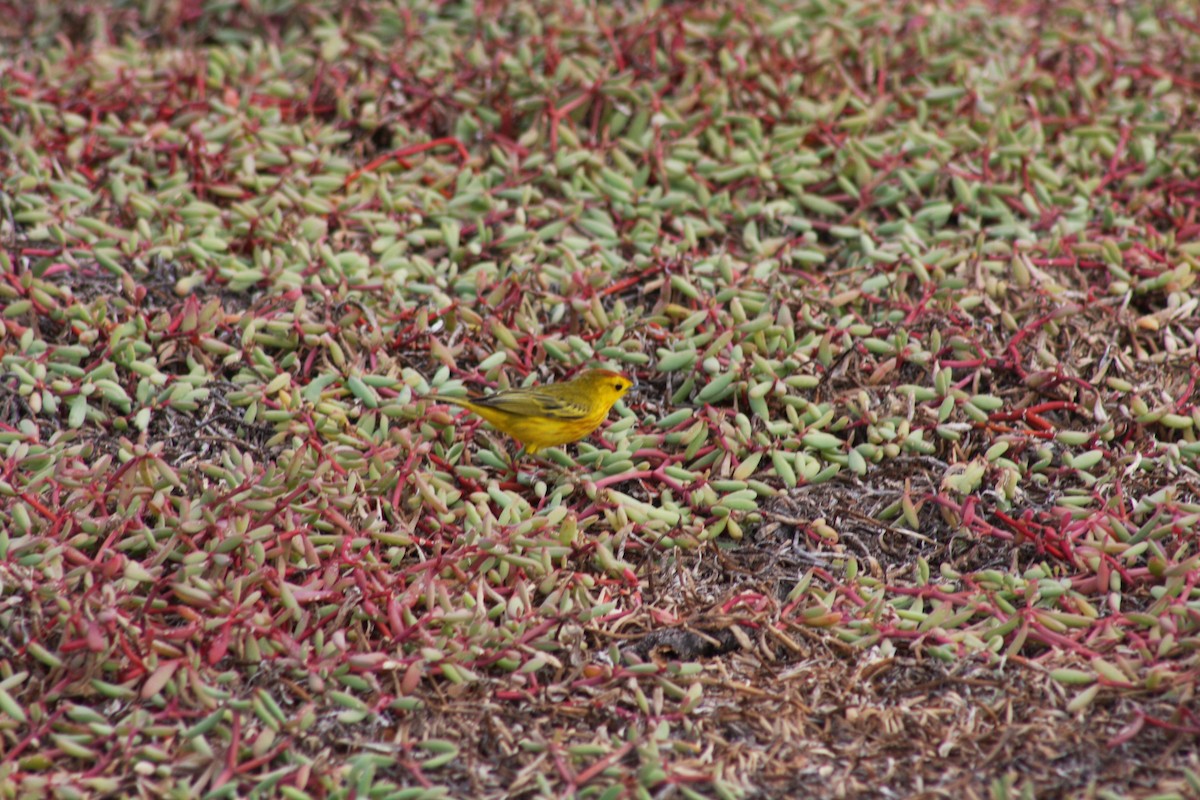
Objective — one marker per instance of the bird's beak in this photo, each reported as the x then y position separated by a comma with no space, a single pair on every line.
635,387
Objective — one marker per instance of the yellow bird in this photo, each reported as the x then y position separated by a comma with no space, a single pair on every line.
547,416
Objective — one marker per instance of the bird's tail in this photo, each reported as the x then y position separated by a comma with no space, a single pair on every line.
461,402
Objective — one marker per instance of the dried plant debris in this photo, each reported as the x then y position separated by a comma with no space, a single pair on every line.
907,506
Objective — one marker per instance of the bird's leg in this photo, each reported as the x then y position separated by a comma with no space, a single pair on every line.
512,461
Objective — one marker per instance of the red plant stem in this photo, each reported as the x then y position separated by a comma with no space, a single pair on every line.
603,764
657,474
265,758
35,734
412,149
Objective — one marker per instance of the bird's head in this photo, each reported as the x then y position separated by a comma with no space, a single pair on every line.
606,384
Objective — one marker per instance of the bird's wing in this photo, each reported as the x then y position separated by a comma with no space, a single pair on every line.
529,402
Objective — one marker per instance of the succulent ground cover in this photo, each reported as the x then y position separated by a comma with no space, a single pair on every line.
908,503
